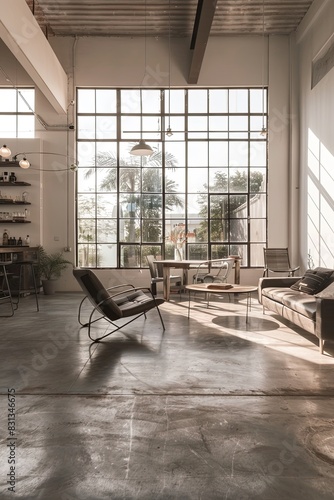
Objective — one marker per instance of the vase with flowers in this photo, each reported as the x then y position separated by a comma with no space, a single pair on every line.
178,237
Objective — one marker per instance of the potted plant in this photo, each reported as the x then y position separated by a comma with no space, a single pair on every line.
50,266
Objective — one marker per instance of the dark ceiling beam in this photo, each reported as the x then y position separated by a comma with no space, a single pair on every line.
202,27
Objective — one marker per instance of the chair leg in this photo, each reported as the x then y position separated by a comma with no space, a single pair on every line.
7,294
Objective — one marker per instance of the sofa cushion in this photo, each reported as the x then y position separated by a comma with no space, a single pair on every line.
302,303
313,281
326,293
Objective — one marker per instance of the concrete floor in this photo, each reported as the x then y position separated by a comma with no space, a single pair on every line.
214,408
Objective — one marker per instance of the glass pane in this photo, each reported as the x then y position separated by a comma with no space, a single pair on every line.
197,180
106,255
130,255
151,124
86,255
197,154
8,100
130,128
238,101
218,101
131,231
85,179
106,127
197,251
218,206
256,98
218,153
86,153
219,251
175,154
106,230
175,180
130,101
256,255
26,126
238,206
238,230
152,231
257,206
238,153
200,124
238,180
86,101
219,230
258,154
8,126
218,179
130,205
258,230
197,230
106,101
86,127
175,204
149,250
257,180
197,101
176,101
151,101
151,206
197,205
152,180
86,205
130,179
106,205
86,230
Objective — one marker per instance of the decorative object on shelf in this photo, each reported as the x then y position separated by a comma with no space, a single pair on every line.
50,267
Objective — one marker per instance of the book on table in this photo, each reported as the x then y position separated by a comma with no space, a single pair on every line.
218,286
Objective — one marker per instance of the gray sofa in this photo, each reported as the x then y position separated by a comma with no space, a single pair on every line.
314,312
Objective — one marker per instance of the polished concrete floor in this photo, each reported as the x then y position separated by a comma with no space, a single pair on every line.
213,408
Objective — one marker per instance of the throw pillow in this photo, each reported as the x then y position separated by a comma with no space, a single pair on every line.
327,293
313,281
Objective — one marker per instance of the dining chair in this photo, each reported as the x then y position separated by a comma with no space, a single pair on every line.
276,260
156,272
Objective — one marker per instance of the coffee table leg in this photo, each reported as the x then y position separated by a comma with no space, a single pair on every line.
189,304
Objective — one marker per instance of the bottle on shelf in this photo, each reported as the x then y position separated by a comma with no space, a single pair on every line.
27,240
5,237
19,241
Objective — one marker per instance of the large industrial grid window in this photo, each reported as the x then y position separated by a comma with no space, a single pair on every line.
201,194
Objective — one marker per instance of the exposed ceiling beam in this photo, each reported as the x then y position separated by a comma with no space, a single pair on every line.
21,33
202,27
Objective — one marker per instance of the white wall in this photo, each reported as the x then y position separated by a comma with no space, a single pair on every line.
314,38
229,61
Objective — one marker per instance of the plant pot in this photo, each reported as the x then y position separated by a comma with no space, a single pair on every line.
49,287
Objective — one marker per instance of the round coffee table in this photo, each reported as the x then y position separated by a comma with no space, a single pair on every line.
219,289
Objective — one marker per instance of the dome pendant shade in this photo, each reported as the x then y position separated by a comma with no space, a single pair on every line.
5,152
141,149
24,163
